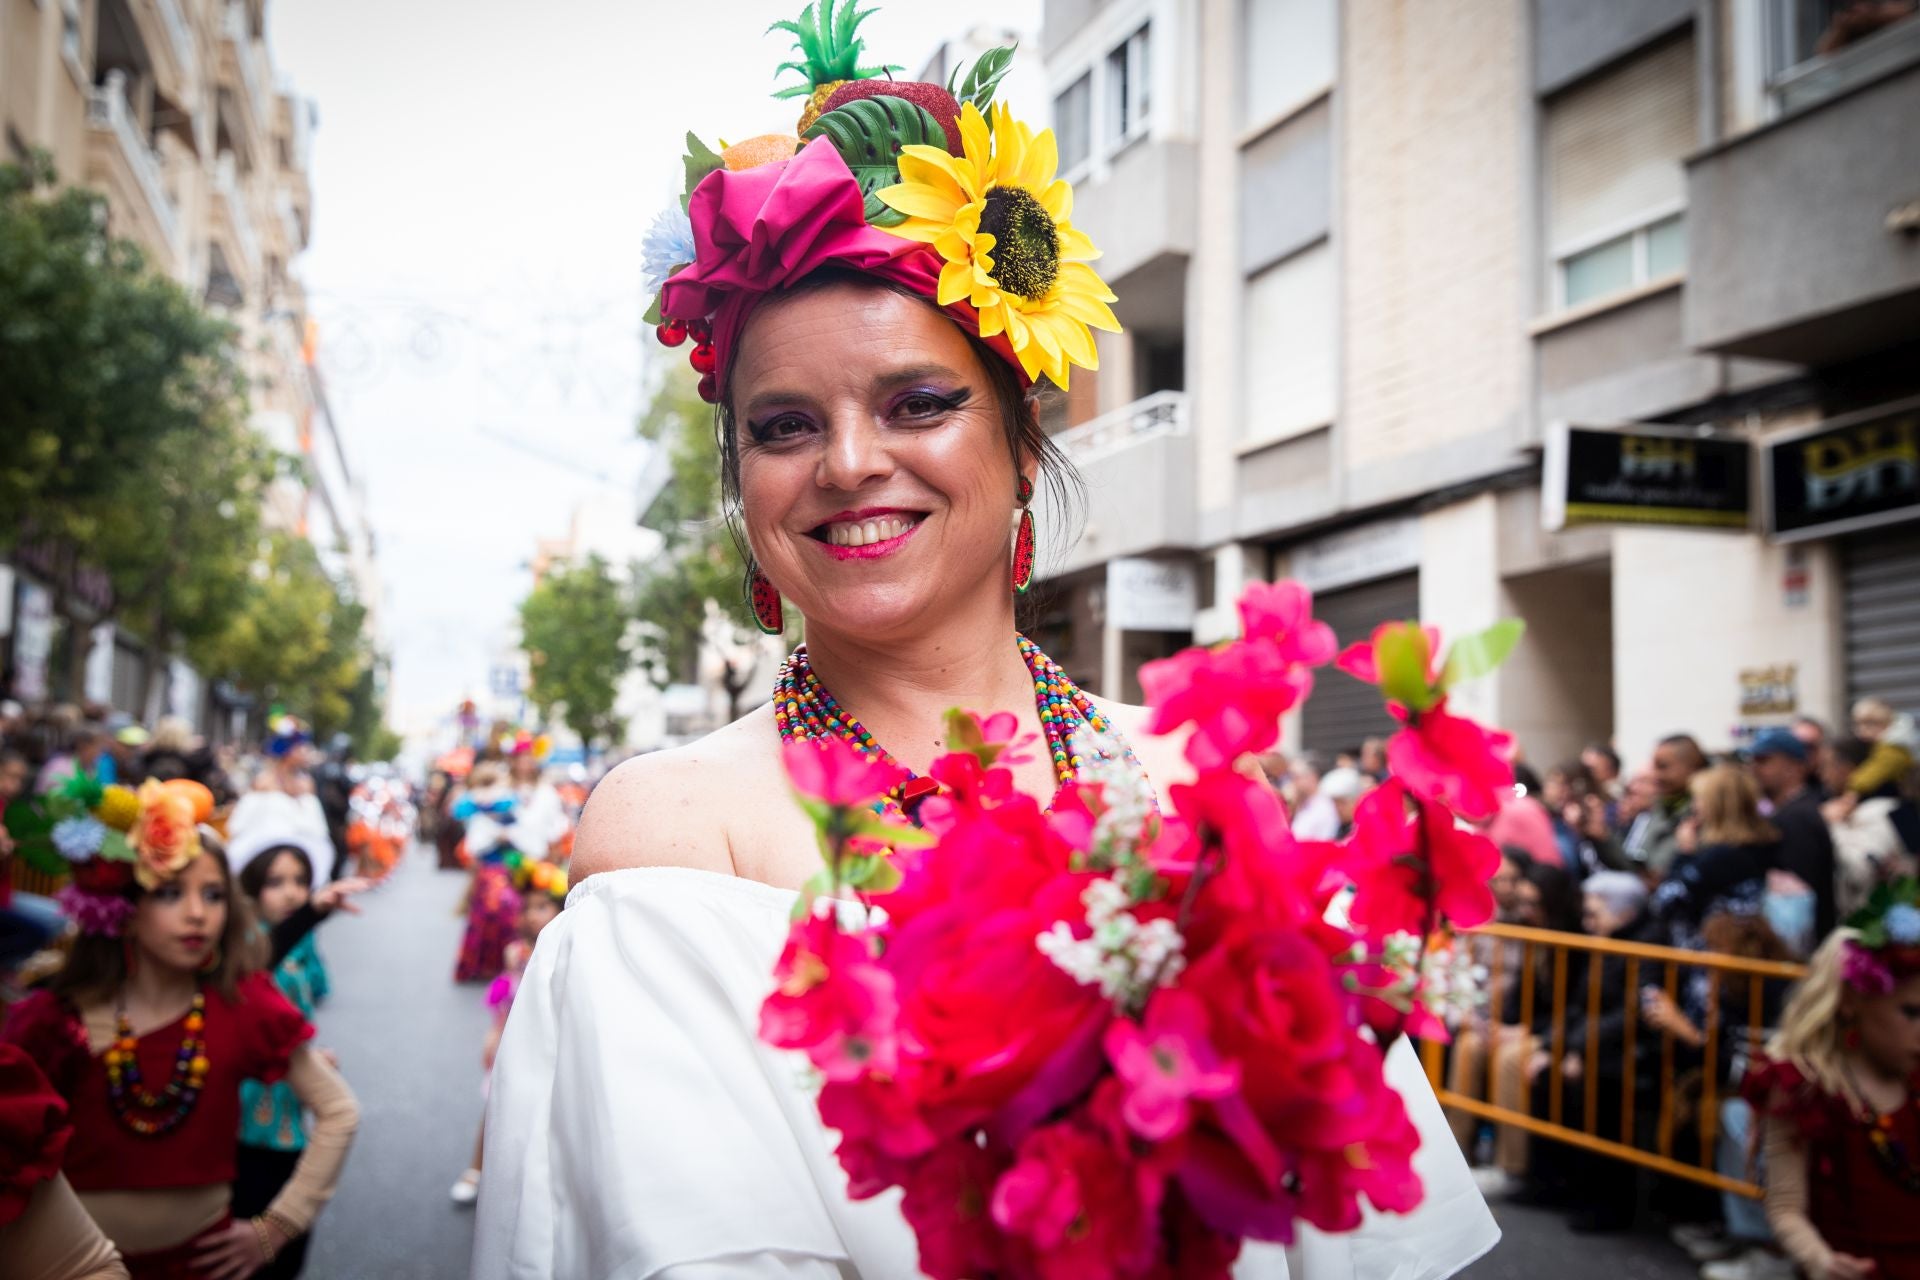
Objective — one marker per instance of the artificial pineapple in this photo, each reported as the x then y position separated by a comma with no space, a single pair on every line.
829,46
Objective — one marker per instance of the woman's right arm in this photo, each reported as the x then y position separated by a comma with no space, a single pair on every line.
54,1239
1786,1165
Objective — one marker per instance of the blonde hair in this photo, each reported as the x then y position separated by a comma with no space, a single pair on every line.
172,733
1809,1034
1728,805
1873,711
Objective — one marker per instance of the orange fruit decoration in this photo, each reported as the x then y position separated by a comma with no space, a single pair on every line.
201,797
767,148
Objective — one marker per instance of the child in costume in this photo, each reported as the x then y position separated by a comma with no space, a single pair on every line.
508,811
273,1127
149,1030
1838,1104
543,894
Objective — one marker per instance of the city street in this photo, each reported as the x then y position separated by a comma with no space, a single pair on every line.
409,1041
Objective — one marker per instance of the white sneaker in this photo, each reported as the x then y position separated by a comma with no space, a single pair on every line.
1754,1264
467,1189
1705,1241
1493,1181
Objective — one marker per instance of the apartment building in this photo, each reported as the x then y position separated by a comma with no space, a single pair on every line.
1604,316
173,111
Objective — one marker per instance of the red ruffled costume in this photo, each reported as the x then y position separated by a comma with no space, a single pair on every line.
33,1130
1857,1207
251,1038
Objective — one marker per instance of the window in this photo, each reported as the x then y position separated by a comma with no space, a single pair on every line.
70,45
1816,48
1128,78
1286,56
1290,336
1614,149
1073,123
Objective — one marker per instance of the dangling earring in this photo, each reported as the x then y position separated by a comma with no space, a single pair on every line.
764,603
1023,540
212,961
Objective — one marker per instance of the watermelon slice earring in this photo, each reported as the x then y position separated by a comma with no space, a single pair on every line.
1023,540
764,603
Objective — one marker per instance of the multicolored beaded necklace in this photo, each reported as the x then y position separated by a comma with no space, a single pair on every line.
152,1114
803,709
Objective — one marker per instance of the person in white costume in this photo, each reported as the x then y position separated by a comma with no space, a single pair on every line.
879,457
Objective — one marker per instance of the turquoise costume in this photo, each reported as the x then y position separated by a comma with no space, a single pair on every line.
270,1114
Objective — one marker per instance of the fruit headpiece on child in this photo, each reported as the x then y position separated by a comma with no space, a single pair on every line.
934,188
1888,946
110,839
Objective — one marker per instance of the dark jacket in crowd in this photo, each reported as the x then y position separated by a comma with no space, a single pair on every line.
1806,849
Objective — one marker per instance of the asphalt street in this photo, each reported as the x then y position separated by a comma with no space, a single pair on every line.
409,1042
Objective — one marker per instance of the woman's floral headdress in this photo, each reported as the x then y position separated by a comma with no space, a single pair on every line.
937,188
1888,946
110,839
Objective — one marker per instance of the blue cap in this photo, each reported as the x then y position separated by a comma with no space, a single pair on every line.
1777,742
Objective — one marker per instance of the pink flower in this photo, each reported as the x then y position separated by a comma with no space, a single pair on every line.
835,772
882,1133
1081,1206
1391,878
1362,660
946,1203
833,1001
1448,758
1864,971
1233,696
1281,614
1166,1062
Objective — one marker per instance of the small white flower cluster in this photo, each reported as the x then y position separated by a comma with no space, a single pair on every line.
1447,981
1125,958
1127,794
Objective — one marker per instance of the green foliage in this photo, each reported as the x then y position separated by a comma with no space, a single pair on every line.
868,133
980,82
574,628
1480,654
1403,655
700,561
699,161
102,362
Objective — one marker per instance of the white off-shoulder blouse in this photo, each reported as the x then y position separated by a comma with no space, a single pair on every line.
639,1130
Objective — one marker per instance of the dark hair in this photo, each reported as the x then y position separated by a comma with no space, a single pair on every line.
1526,779
1814,723
1605,752
96,966
1851,750
1522,860
253,876
1690,752
1019,416
1578,776
1560,900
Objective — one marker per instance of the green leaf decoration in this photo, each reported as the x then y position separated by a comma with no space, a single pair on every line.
699,161
868,133
115,848
1481,654
983,78
653,316
1402,655
885,878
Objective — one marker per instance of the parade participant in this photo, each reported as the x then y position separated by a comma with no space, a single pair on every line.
880,448
543,894
1837,1098
45,1234
148,1031
268,821
273,1129
490,811
289,751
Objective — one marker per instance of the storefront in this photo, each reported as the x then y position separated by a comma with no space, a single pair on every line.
1857,479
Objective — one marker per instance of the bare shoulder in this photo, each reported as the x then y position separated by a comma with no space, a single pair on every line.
1161,755
667,808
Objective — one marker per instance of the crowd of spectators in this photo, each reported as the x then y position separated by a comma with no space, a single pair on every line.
1759,854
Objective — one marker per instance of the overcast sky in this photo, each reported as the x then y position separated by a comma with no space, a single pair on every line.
483,173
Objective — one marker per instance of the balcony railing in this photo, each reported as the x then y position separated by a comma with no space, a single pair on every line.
1164,413
226,180
1818,77
179,35
239,31
107,110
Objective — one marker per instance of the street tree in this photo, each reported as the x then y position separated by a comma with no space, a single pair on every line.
700,561
574,626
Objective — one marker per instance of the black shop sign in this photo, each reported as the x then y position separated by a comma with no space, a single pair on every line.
1852,473
1646,475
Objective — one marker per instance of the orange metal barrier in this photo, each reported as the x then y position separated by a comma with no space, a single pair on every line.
26,880
1545,956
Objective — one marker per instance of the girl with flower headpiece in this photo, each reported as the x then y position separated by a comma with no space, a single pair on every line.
1839,1100
149,1030
511,813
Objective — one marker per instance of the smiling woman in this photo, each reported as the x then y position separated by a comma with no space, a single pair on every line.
871,336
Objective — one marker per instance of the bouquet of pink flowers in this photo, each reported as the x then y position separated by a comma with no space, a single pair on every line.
1103,1040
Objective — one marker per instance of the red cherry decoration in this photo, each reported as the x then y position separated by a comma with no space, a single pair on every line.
672,333
709,389
702,358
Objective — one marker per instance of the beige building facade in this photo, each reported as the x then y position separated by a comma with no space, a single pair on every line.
1387,265
173,111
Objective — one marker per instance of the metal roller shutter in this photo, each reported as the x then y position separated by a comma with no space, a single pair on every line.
1882,584
1343,712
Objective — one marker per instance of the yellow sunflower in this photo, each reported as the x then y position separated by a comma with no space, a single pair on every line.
999,219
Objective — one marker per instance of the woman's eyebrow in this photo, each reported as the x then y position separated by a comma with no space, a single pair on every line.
892,379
